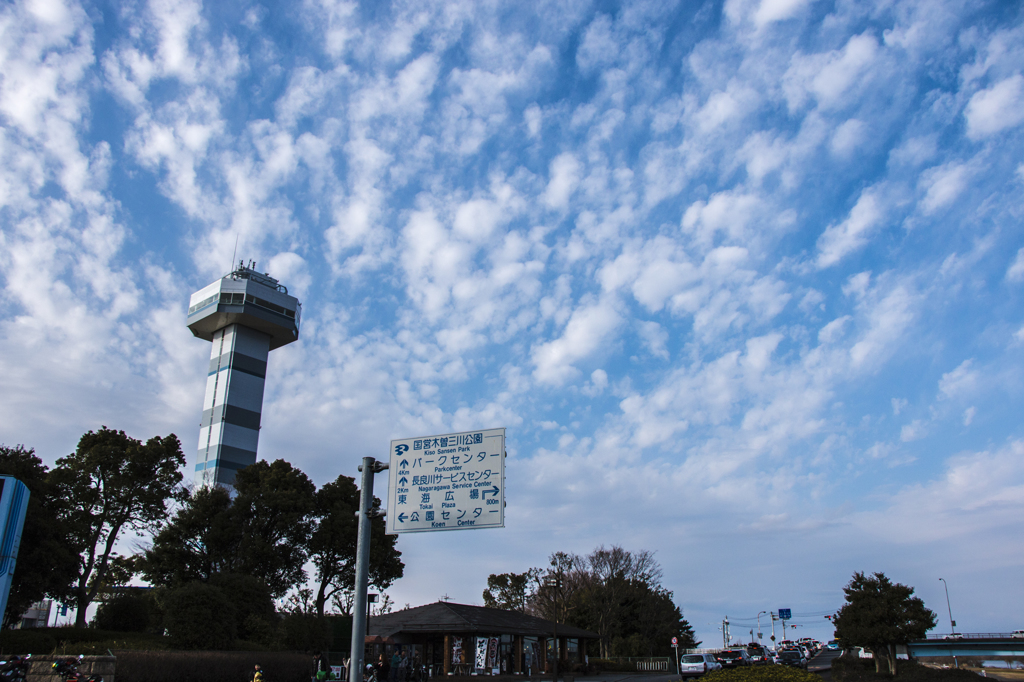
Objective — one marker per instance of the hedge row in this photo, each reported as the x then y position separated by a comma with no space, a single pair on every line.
211,666
854,669
760,673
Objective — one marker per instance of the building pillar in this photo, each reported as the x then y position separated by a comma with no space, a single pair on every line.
447,654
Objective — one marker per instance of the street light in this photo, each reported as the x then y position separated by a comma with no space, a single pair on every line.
952,623
554,582
759,626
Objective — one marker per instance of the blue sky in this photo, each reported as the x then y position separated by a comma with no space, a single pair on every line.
742,280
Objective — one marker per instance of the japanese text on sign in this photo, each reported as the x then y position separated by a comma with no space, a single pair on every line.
450,482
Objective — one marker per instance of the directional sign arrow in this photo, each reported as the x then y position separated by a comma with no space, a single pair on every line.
403,480
401,517
404,464
490,492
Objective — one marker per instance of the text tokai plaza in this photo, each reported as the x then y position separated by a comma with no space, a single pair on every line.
246,315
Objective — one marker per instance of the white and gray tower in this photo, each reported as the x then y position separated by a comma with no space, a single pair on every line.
246,315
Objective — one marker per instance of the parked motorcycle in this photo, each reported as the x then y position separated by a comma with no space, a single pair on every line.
67,668
16,669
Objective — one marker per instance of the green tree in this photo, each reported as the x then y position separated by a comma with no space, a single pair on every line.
199,616
273,507
254,607
879,614
46,563
511,591
199,541
332,543
131,611
111,483
614,592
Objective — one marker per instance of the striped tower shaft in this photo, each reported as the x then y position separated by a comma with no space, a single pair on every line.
230,427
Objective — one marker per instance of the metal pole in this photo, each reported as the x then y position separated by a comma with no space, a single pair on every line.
775,645
759,626
369,467
952,623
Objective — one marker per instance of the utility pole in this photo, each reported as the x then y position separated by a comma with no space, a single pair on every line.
775,645
725,633
369,467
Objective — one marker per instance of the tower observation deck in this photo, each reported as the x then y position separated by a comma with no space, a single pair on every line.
246,315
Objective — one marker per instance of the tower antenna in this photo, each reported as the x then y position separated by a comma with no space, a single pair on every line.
233,251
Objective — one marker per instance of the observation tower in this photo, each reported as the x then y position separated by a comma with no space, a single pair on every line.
246,314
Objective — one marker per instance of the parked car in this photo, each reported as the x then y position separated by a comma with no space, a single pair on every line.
693,665
733,658
793,658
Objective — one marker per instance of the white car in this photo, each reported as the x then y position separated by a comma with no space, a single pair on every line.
692,665
1017,633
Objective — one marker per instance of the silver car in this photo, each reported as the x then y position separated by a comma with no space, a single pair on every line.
692,665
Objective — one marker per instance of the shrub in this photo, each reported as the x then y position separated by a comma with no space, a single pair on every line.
853,669
762,673
304,632
128,613
69,640
254,606
210,666
199,616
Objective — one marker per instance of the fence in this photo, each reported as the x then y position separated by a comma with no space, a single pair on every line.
644,665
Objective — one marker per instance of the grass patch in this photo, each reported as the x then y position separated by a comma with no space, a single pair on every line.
761,673
850,669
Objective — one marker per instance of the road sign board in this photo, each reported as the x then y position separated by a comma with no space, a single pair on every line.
785,614
450,482
675,641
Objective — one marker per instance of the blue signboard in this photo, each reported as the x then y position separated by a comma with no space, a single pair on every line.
13,504
450,482
785,614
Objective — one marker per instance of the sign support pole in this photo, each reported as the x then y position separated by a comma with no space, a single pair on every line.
369,467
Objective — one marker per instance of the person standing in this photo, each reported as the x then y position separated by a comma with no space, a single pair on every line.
257,675
396,661
403,667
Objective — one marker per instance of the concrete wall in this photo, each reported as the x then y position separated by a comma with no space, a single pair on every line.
41,668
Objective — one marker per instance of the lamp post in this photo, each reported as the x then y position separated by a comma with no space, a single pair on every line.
759,625
952,623
555,583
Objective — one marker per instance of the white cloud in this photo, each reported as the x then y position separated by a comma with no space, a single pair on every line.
837,241
589,328
848,137
830,77
777,10
960,381
969,415
655,338
944,185
915,430
565,176
897,405
1015,273
996,109
887,319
